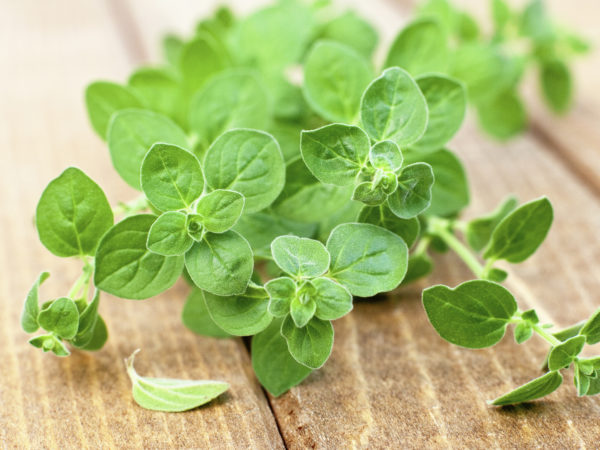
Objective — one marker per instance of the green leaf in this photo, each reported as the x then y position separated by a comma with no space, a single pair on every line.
335,77
300,257
382,216
413,195
305,199
474,314
72,214
335,153
171,177
479,231
126,268
520,233
168,235
98,339
531,316
131,133
523,331
172,46
61,317
273,365
540,387
281,292
241,315
249,162
310,345
161,91
103,99
232,99
332,299
504,115
49,342
386,155
351,29
196,317
393,107
591,329
259,229
557,85
581,381
447,104
87,322
31,308
220,210
170,394
365,193
300,312
420,47
419,266
366,259
200,59
450,192
564,354
221,263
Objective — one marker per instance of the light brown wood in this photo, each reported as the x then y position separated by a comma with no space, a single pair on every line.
391,381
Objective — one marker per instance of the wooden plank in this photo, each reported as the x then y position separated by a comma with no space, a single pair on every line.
84,401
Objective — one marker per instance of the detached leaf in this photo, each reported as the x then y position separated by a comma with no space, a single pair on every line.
170,394
221,263
131,133
168,235
61,317
413,195
564,354
393,107
366,259
220,210
520,233
126,268
335,153
310,345
479,231
249,162
301,257
102,99
420,47
72,214
591,329
382,216
335,77
171,177
273,365
474,314
540,387
31,309
240,315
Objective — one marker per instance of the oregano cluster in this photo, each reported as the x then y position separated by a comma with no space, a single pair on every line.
282,172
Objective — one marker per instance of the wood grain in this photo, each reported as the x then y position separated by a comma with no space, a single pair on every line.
391,381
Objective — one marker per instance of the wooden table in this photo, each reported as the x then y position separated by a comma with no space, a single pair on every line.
390,383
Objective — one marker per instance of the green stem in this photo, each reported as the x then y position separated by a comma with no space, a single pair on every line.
440,229
546,336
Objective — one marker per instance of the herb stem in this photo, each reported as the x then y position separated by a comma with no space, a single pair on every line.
546,336
440,229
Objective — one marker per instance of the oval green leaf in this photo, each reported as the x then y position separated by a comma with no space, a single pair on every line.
310,345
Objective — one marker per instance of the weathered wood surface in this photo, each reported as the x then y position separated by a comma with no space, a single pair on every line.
391,382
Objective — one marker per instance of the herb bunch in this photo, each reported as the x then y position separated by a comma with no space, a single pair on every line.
279,198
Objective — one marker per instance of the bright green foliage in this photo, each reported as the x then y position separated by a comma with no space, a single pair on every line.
591,329
31,309
334,79
50,342
350,29
132,132
102,99
386,156
220,210
275,368
281,292
196,317
171,177
310,345
60,317
336,153
473,315
540,387
168,235
170,394
200,59
367,259
382,216
249,162
520,233
479,231
394,108
447,104
300,257
126,268
564,354
503,116
523,331
233,99
413,195
332,299
556,83
72,214
421,47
